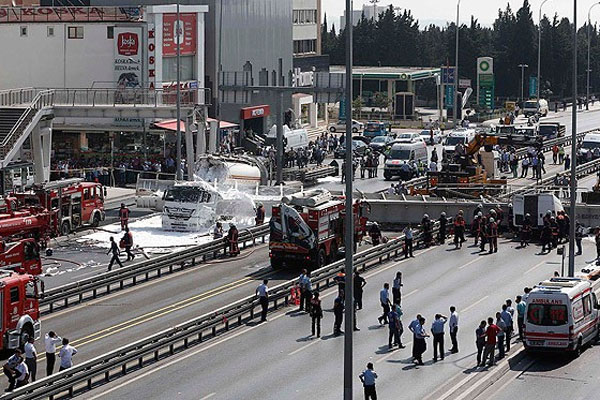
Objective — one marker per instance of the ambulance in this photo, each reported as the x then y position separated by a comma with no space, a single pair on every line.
561,315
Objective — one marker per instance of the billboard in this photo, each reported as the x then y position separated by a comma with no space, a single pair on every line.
128,57
187,34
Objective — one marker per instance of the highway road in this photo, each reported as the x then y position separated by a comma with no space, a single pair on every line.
280,360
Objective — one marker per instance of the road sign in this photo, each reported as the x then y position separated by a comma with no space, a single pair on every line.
449,95
533,86
448,75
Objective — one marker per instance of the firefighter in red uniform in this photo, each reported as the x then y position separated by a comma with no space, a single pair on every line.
493,235
260,214
124,216
232,239
127,242
459,229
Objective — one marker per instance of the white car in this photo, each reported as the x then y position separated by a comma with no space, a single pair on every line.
340,126
408,137
437,136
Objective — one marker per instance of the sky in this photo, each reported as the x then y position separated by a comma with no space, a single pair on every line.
440,11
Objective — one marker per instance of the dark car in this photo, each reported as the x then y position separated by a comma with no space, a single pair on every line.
358,148
380,143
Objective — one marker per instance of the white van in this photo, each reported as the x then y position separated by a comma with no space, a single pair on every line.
536,205
402,153
292,139
561,315
590,142
535,107
462,136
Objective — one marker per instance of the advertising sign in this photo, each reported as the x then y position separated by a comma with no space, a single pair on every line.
187,34
448,75
128,57
533,86
485,65
151,57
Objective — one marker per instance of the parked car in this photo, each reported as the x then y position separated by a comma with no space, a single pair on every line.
437,136
408,137
340,126
358,148
380,143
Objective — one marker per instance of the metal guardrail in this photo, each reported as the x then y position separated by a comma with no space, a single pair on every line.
14,97
90,288
138,354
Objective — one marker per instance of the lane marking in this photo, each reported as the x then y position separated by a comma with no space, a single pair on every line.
475,304
536,266
208,396
184,357
315,340
472,262
410,294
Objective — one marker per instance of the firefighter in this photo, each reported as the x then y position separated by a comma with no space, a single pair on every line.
442,233
476,228
114,249
546,237
483,232
124,216
340,279
554,227
459,229
375,234
260,214
526,230
562,227
127,241
493,235
478,210
232,240
426,227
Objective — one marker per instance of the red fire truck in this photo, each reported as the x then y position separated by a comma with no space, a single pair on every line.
308,229
20,291
72,203
23,221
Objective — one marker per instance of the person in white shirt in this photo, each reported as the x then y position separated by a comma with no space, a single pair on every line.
66,355
384,299
262,291
453,326
50,341
22,374
31,358
10,369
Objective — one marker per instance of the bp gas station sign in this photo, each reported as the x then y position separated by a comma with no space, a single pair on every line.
485,82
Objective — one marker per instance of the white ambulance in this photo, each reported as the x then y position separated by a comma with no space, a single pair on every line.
561,315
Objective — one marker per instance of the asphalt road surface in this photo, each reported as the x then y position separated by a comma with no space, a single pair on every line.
279,360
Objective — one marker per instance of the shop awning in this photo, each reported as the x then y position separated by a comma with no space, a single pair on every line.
171,124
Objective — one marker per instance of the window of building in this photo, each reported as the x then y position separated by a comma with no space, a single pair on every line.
110,32
50,31
305,46
23,31
305,17
75,32
170,68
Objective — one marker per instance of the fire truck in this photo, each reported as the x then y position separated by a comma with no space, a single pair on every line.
308,229
20,291
72,203
23,221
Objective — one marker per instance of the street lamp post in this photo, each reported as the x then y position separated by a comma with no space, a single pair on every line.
573,149
456,65
539,63
176,30
523,66
589,39
374,2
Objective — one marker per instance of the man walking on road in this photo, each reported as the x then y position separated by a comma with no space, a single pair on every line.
384,299
437,330
395,327
368,378
31,358
490,343
359,284
50,341
262,291
397,284
480,341
453,326
114,249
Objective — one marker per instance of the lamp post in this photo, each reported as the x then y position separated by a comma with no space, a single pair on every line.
573,149
455,105
539,61
523,66
176,29
589,39
374,2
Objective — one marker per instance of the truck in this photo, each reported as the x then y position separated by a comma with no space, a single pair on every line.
535,107
375,129
72,203
307,229
551,130
536,205
189,207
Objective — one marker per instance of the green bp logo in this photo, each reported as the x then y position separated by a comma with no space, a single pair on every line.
484,66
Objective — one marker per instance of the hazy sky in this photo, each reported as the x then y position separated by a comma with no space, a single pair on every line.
485,10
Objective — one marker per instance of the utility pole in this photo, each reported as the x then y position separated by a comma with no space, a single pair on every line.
589,39
176,32
349,234
573,150
539,61
523,66
455,106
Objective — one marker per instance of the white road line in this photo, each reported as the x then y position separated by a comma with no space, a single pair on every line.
315,340
474,304
208,396
184,357
471,262
410,294
388,355
536,266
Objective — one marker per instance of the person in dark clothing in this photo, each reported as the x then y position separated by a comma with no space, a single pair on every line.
114,249
442,233
375,234
124,216
260,214
232,240
338,312
546,238
426,226
359,284
316,313
526,231
555,231
459,229
480,340
127,241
